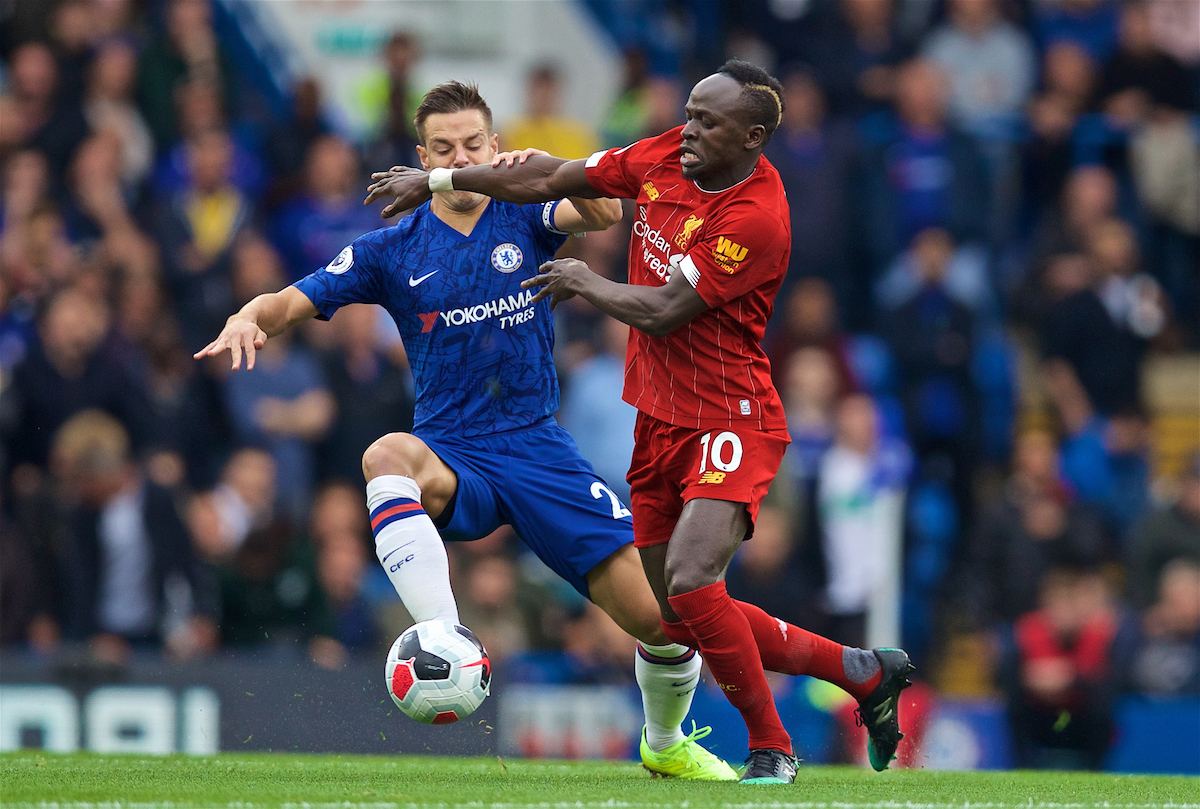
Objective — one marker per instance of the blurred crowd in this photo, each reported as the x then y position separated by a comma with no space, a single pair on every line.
986,344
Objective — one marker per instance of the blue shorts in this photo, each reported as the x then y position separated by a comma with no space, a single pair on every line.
536,481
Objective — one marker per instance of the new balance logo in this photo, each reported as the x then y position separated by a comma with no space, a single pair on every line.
712,477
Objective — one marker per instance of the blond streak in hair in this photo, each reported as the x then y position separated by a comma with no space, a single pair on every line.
778,104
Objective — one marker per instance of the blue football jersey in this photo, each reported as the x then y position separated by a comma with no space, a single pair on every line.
481,352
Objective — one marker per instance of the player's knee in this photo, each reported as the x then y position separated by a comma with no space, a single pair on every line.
687,574
394,454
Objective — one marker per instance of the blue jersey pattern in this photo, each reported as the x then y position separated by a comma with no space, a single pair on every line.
481,354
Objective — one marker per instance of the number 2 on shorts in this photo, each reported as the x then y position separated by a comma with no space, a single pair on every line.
619,511
714,450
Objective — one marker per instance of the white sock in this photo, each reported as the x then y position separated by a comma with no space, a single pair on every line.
668,676
410,548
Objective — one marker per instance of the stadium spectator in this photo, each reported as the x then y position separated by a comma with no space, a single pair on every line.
816,159
397,141
197,227
1033,527
328,215
72,37
809,319
1166,661
41,116
927,174
125,550
1088,196
109,107
990,65
1061,678
625,120
1068,83
765,572
28,592
202,110
810,391
270,596
371,393
858,52
594,413
934,261
863,478
98,206
71,369
286,407
488,605
1090,24
1103,459
1103,331
339,532
190,52
543,125
1168,533
290,140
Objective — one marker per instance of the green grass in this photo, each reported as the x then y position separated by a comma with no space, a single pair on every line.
269,780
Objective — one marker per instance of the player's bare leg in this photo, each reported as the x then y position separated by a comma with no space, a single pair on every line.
408,486
704,540
874,678
667,672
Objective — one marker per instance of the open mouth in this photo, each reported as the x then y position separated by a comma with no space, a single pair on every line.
687,157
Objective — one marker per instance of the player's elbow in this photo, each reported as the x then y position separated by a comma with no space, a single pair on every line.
660,324
609,213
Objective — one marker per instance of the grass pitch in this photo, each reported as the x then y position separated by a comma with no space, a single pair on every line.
75,781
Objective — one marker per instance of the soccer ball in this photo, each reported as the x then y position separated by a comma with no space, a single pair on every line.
438,672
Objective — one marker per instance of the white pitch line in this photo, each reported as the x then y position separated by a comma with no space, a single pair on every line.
609,804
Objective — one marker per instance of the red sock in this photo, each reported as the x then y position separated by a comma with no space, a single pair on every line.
791,650
728,646
678,632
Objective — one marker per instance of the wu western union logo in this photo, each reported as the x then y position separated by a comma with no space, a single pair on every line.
650,190
730,250
692,224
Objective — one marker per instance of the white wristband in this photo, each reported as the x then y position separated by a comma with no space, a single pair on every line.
441,180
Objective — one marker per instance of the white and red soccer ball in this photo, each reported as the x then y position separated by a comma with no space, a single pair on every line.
438,672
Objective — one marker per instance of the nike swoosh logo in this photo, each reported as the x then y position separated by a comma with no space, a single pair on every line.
412,282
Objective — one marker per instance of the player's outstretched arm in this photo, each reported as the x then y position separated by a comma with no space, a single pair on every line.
541,178
263,317
577,214
655,310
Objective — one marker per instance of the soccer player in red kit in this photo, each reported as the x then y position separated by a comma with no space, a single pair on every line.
709,252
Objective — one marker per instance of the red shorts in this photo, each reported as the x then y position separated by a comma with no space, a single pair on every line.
672,465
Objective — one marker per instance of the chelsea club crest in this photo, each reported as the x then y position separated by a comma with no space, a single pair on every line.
507,257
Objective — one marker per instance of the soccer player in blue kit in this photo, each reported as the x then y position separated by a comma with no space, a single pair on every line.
485,449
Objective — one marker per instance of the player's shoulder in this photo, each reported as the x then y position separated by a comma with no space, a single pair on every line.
653,149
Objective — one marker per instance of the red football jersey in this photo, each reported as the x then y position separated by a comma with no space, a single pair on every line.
733,247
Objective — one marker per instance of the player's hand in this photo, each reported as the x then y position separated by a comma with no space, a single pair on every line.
238,335
508,158
409,186
559,280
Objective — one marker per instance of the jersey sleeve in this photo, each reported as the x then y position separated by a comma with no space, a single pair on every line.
354,276
738,250
541,222
619,172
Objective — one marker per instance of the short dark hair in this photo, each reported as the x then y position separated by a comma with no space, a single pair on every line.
761,92
453,96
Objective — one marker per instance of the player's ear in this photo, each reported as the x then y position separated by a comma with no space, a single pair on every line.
422,154
495,143
756,137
